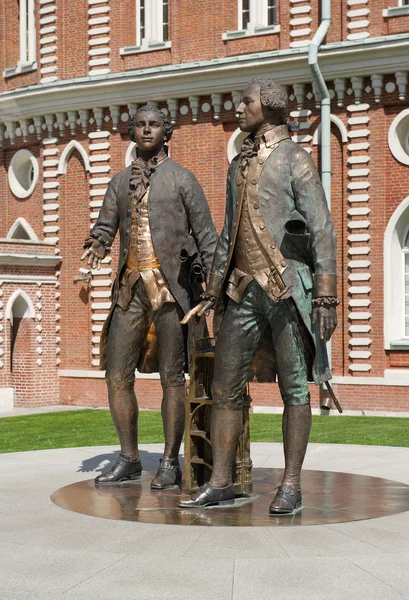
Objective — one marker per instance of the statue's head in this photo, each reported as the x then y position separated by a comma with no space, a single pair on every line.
263,101
150,129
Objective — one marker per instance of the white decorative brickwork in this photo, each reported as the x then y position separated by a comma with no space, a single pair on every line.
358,20
99,38
99,158
358,243
300,24
48,41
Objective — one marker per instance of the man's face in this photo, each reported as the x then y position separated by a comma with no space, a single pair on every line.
148,131
251,114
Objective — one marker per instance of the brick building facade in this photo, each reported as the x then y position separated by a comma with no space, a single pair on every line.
72,73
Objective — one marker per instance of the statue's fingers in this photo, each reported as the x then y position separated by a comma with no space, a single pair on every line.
189,315
207,306
322,324
86,253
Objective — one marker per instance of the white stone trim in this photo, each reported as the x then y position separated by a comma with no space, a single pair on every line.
393,280
398,137
65,156
76,373
130,154
395,11
342,129
234,144
30,160
11,301
246,33
25,225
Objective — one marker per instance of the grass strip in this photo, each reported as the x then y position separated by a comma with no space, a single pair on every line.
94,428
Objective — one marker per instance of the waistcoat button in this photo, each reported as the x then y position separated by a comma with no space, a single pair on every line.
254,182
273,246
256,205
262,226
283,263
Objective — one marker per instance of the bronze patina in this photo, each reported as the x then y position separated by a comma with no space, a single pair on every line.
167,242
274,275
329,497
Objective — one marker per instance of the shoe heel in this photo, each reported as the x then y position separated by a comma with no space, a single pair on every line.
135,476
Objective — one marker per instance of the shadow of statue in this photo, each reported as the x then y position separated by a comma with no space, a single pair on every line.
102,462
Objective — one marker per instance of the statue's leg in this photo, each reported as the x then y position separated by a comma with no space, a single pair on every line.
292,371
237,343
171,357
127,332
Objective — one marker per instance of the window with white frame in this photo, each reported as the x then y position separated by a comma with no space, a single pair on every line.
152,27
27,32
255,17
152,21
405,251
257,13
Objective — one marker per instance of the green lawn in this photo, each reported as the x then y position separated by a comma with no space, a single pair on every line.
94,428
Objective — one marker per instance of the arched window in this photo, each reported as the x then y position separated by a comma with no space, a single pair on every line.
405,251
396,273
20,311
235,142
27,32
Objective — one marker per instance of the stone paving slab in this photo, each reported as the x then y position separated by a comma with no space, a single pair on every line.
49,553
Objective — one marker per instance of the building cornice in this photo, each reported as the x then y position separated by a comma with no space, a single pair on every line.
29,260
342,59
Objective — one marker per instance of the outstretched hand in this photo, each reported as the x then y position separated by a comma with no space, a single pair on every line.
198,310
327,320
95,253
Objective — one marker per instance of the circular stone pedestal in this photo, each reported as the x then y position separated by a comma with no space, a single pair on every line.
328,497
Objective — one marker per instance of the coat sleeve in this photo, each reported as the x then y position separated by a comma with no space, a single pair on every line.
199,219
222,248
107,223
310,201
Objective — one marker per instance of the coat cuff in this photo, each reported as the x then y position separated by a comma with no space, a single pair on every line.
325,284
214,285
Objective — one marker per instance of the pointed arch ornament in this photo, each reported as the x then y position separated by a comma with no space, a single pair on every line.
65,156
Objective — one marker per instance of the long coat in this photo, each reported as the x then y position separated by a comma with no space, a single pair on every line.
289,192
179,220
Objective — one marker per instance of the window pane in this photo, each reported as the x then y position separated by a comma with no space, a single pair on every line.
245,13
142,19
271,12
165,20
406,244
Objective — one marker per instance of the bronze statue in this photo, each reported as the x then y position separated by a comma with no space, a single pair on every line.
167,242
274,274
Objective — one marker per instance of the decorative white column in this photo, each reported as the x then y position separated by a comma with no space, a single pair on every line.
358,239
99,35
48,41
358,19
99,153
300,24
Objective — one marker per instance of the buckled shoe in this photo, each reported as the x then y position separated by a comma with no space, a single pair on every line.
207,495
123,470
169,475
287,501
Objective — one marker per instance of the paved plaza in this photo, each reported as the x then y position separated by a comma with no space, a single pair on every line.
48,553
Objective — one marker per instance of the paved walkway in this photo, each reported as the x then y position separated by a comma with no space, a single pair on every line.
47,553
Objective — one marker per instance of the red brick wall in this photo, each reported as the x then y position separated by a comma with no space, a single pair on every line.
75,297
72,33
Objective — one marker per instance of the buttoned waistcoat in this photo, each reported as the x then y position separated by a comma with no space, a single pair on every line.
179,220
289,192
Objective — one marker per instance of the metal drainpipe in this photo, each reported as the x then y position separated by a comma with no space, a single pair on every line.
325,119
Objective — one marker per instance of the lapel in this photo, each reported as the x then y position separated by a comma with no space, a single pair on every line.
272,139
